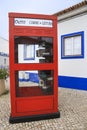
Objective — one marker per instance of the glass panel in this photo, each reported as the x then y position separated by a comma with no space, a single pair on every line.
77,45
34,83
72,46
29,53
33,49
68,46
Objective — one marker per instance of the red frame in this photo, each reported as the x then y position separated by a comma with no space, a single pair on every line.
21,106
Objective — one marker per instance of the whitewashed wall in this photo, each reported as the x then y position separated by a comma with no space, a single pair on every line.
4,64
22,60
25,75
4,53
4,45
73,67
21,55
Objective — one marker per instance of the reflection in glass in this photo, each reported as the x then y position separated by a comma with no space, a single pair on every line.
34,83
33,49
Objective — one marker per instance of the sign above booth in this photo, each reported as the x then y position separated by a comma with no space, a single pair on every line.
33,22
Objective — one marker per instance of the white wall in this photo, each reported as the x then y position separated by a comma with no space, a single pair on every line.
73,67
21,58
4,45
2,63
4,49
21,55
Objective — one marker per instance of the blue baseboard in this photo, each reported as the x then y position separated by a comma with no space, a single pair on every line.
72,82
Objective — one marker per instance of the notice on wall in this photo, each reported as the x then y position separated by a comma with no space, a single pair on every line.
33,22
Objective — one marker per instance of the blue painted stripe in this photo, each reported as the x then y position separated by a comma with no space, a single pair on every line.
4,54
21,79
33,77
72,82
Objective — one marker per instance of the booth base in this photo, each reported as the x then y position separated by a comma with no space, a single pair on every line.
33,118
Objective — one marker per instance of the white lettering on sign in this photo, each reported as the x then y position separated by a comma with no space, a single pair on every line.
33,22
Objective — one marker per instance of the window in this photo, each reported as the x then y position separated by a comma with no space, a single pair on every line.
72,45
29,52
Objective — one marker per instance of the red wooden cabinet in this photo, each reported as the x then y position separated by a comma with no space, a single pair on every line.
33,67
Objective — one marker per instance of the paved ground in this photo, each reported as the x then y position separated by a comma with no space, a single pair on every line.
73,109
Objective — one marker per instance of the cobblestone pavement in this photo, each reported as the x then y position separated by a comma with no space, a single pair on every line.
73,110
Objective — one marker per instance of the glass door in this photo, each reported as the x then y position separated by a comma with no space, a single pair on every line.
34,50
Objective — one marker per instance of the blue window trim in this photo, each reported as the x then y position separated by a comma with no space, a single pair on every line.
25,57
72,35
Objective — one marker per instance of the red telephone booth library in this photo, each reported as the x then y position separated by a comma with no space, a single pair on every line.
33,67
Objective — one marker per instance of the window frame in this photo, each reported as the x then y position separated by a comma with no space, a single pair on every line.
63,45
